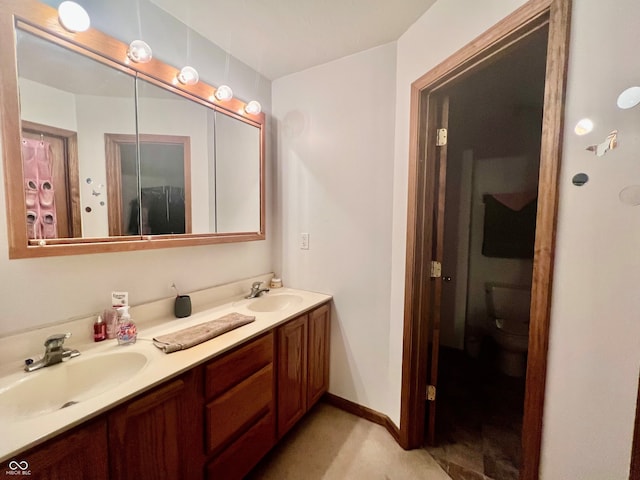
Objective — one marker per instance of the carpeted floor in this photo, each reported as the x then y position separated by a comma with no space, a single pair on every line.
332,444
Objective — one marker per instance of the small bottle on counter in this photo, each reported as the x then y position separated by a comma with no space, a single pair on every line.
110,318
126,332
99,330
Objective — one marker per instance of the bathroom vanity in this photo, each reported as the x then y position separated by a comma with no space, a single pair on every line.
212,411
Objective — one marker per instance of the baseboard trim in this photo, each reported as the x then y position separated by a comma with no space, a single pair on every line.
363,412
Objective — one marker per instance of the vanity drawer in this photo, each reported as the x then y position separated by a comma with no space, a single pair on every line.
233,368
242,455
231,414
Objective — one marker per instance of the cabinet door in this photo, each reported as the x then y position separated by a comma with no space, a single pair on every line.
318,376
292,373
150,436
77,455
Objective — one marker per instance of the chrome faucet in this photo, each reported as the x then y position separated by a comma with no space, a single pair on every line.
54,353
256,291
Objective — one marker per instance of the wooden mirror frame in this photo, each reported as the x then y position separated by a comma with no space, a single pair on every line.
42,20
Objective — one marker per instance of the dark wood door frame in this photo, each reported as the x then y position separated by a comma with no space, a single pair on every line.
634,469
418,301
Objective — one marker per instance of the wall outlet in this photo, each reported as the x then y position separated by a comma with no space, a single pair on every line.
304,241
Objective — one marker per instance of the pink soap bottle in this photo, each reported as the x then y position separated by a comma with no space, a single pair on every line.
99,330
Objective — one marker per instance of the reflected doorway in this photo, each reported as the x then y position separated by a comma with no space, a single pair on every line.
63,151
163,190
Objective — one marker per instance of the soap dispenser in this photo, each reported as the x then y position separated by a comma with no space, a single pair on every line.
126,332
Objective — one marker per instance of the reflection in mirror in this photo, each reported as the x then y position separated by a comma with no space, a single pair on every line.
237,175
223,184
164,186
184,191
579,179
629,98
69,108
68,101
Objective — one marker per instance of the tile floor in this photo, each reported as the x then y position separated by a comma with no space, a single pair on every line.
479,418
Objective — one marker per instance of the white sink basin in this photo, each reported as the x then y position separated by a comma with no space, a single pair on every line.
65,384
274,302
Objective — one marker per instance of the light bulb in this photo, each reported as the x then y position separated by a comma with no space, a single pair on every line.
224,93
583,127
253,108
188,76
139,52
73,17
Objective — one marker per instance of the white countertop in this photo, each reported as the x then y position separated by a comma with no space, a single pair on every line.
20,433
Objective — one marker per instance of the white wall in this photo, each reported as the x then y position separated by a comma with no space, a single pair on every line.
335,162
237,173
34,292
97,116
47,105
594,353
594,349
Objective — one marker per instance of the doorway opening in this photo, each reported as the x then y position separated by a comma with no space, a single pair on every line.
149,184
491,183
430,102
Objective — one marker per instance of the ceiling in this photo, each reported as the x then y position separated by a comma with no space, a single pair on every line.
279,37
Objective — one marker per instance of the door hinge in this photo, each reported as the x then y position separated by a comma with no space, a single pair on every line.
436,269
441,138
431,393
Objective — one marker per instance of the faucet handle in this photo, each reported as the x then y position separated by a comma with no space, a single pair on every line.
56,340
256,285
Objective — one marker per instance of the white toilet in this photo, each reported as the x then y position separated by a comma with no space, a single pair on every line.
508,307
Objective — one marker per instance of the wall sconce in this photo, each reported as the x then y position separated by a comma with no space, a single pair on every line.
629,98
584,126
188,76
139,52
253,108
224,93
73,17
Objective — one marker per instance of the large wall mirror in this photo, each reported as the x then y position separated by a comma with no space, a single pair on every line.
101,154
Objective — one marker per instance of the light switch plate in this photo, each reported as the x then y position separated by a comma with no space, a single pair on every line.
304,241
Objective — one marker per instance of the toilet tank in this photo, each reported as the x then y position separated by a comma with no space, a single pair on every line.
508,301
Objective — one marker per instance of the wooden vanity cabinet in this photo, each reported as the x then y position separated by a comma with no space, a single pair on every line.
318,354
303,365
158,434
216,420
240,409
77,455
